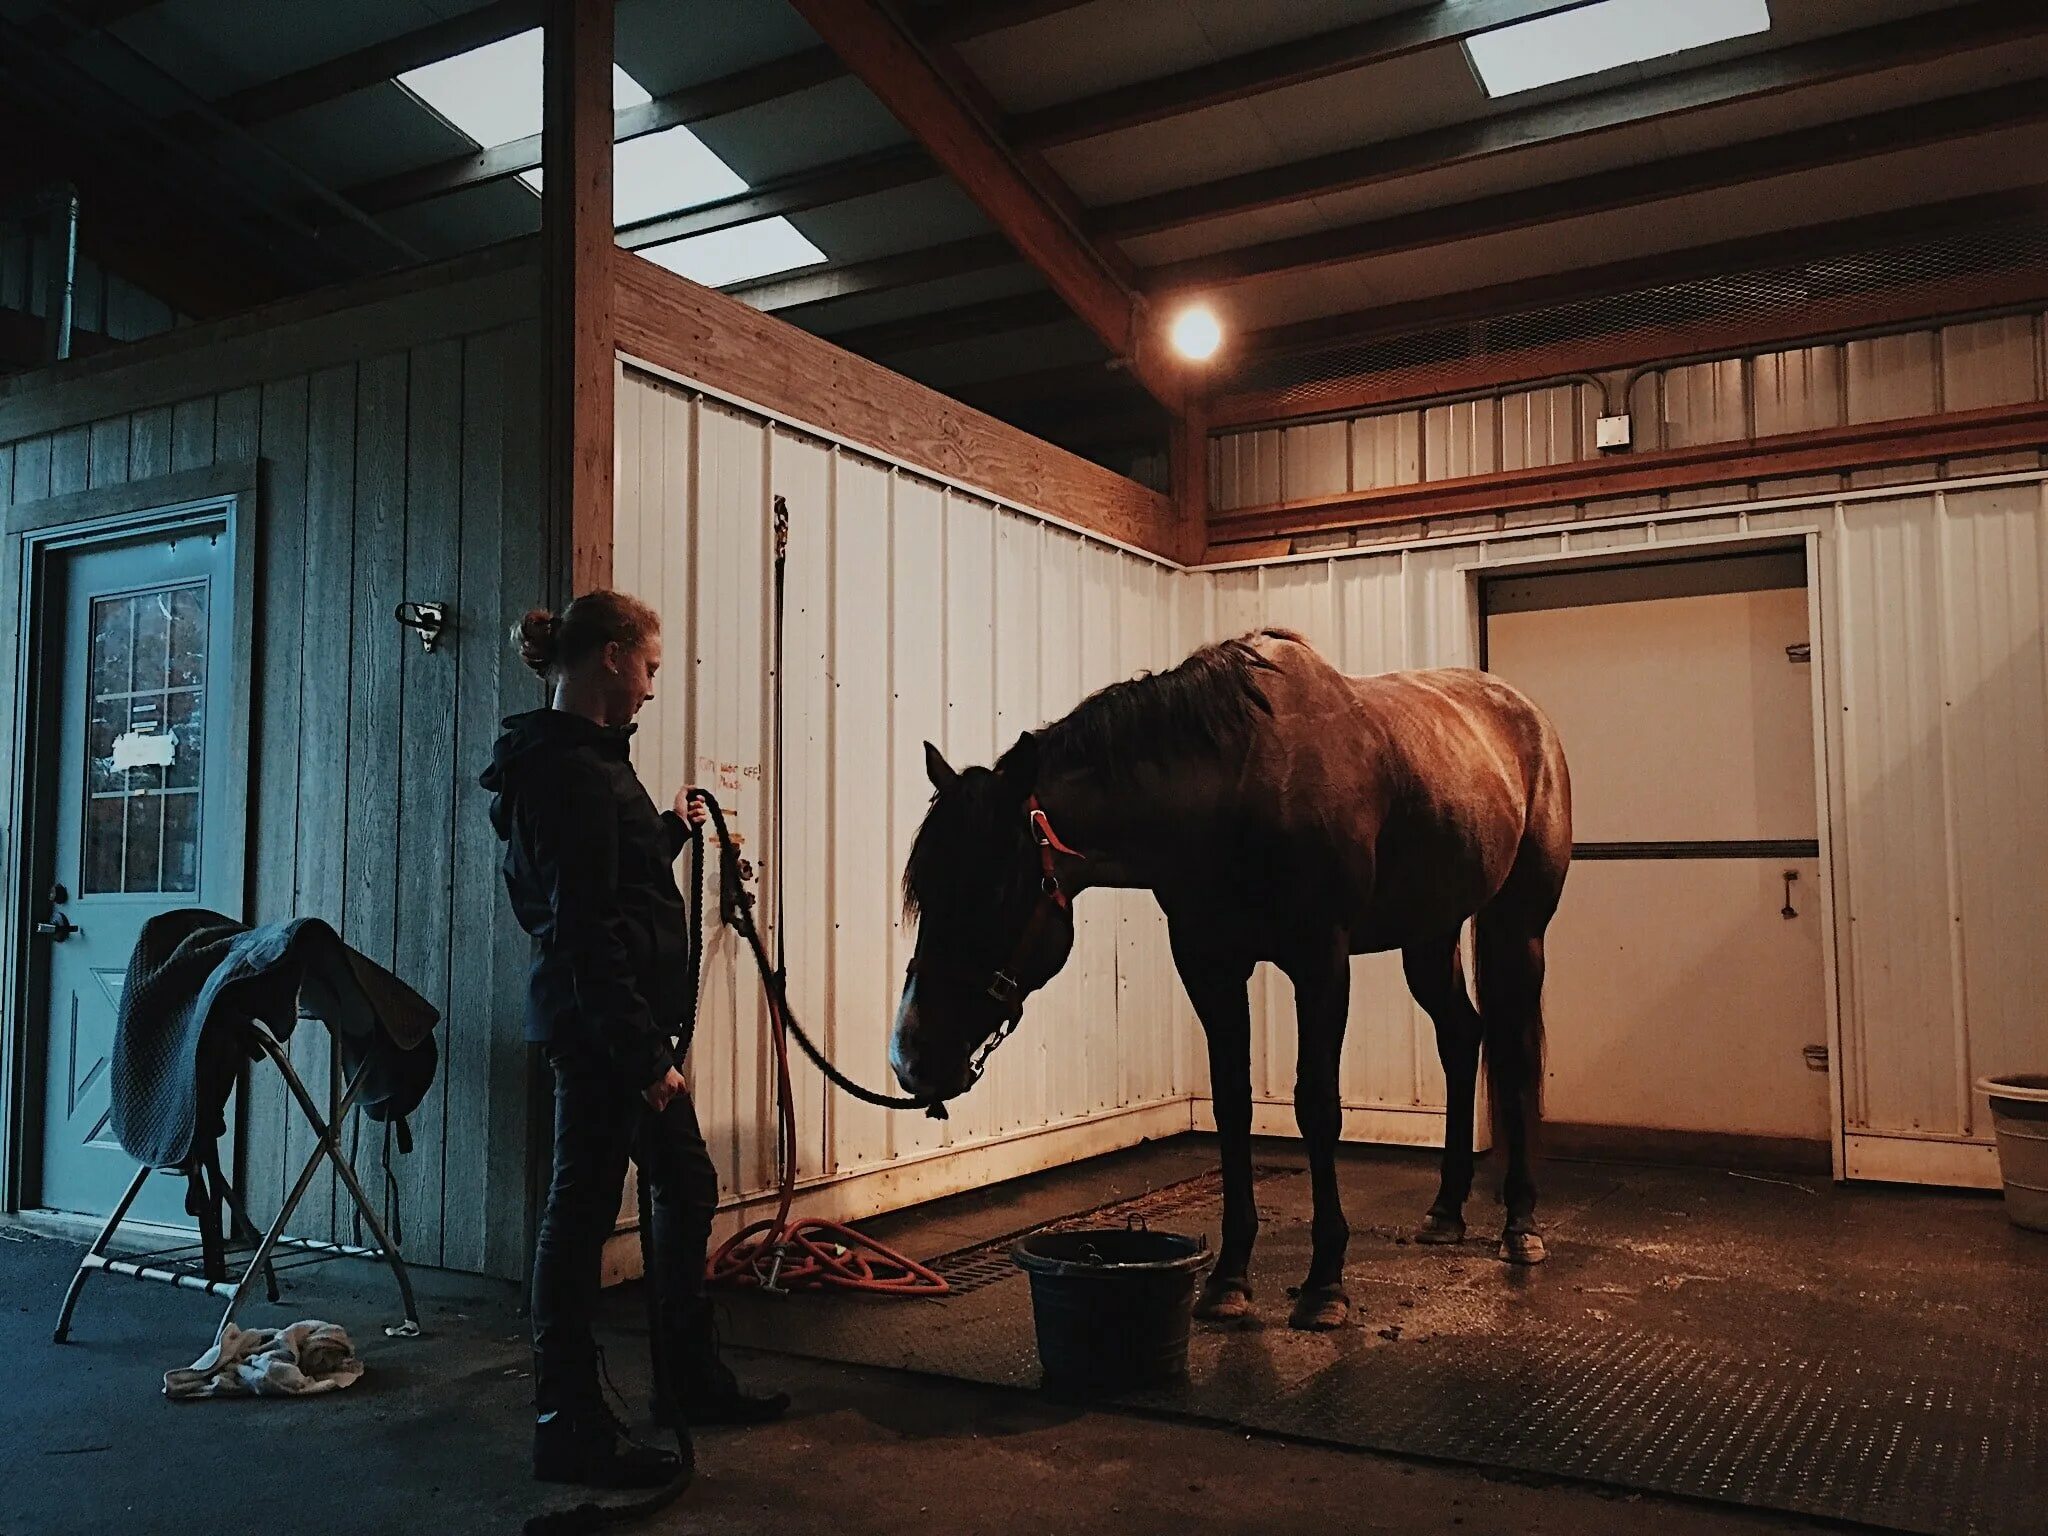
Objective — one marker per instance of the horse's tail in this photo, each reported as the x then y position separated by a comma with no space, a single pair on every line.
1510,976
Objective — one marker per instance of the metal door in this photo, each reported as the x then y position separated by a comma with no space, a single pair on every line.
1686,979
139,636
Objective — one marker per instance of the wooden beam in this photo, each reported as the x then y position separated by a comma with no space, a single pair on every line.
1784,154
1892,45
1338,51
1778,249
1831,450
577,284
876,46
691,104
1188,451
377,63
840,182
1659,341
725,345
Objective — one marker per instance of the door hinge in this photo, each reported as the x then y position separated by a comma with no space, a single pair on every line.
1816,1057
1803,651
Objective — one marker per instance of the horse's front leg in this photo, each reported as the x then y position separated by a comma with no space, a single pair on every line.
1322,994
1216,986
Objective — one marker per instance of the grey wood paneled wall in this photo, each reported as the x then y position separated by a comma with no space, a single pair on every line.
413,472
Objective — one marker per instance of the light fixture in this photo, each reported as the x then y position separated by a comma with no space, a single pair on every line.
1197,333
1593,39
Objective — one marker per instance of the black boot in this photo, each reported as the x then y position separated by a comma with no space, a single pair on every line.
704,1385
578,1439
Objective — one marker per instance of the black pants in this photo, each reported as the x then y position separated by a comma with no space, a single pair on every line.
600,1121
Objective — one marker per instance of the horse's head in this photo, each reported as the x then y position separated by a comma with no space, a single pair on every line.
993,926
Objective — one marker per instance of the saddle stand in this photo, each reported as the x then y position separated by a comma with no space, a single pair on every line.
203,1266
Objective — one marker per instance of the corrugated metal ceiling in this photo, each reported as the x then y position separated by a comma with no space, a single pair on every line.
1033,56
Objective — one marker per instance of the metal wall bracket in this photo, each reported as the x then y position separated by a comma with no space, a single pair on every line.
427,620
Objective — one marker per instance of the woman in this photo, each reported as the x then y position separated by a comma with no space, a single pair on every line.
591,870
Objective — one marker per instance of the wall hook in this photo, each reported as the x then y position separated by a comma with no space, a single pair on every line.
427,620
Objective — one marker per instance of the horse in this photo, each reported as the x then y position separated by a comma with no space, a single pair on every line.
1278,810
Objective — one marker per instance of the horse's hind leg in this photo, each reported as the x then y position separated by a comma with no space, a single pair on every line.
1436,976
1510,954
1322,993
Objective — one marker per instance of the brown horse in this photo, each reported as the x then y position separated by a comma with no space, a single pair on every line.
1279,811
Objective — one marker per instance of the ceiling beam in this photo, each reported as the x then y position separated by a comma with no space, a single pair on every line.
1295,62
1917,39
933,104
941,111
840,182
1475,308
1492,364
691,104
1862,138
347,73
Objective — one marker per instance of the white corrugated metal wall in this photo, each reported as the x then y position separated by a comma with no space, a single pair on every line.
915,610
1956,367
1935,674
921,609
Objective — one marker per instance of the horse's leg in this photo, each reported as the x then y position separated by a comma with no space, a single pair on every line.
1216,985
1436,977
1510,952
1322,995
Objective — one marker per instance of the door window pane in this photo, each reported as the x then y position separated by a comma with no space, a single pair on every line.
145,741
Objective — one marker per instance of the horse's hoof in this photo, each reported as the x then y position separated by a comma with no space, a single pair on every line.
1319,1309
1224,1301
1438,1228
1523,1247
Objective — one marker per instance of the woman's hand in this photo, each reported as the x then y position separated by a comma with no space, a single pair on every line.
659,1093
690,805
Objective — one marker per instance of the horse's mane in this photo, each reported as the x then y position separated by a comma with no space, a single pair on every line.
1204,708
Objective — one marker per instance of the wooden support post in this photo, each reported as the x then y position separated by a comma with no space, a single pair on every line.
576,239
1189,466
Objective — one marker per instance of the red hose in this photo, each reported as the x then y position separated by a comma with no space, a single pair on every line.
810,1254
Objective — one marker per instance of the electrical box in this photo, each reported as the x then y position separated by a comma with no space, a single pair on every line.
1610,433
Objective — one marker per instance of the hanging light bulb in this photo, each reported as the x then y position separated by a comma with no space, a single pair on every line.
1197,333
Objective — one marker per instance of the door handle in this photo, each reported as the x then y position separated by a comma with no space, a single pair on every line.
57,929
1789,912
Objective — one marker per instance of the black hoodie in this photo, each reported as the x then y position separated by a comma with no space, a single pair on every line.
591,870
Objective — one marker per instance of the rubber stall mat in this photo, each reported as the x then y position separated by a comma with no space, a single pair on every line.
1693,1336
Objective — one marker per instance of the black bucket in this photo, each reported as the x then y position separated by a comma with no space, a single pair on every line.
1112,1307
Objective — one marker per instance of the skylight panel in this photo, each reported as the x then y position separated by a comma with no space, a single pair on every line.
660,173
737,255
492,93
1604,36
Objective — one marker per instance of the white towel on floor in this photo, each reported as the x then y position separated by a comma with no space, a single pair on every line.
305,1358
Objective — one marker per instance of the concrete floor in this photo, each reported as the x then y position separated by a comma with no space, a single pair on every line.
434,1438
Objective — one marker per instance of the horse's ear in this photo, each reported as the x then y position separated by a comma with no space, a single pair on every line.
1019,766
938,770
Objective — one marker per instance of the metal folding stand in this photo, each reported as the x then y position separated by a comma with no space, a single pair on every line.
202,1266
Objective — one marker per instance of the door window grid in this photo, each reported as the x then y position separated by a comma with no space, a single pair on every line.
147,681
